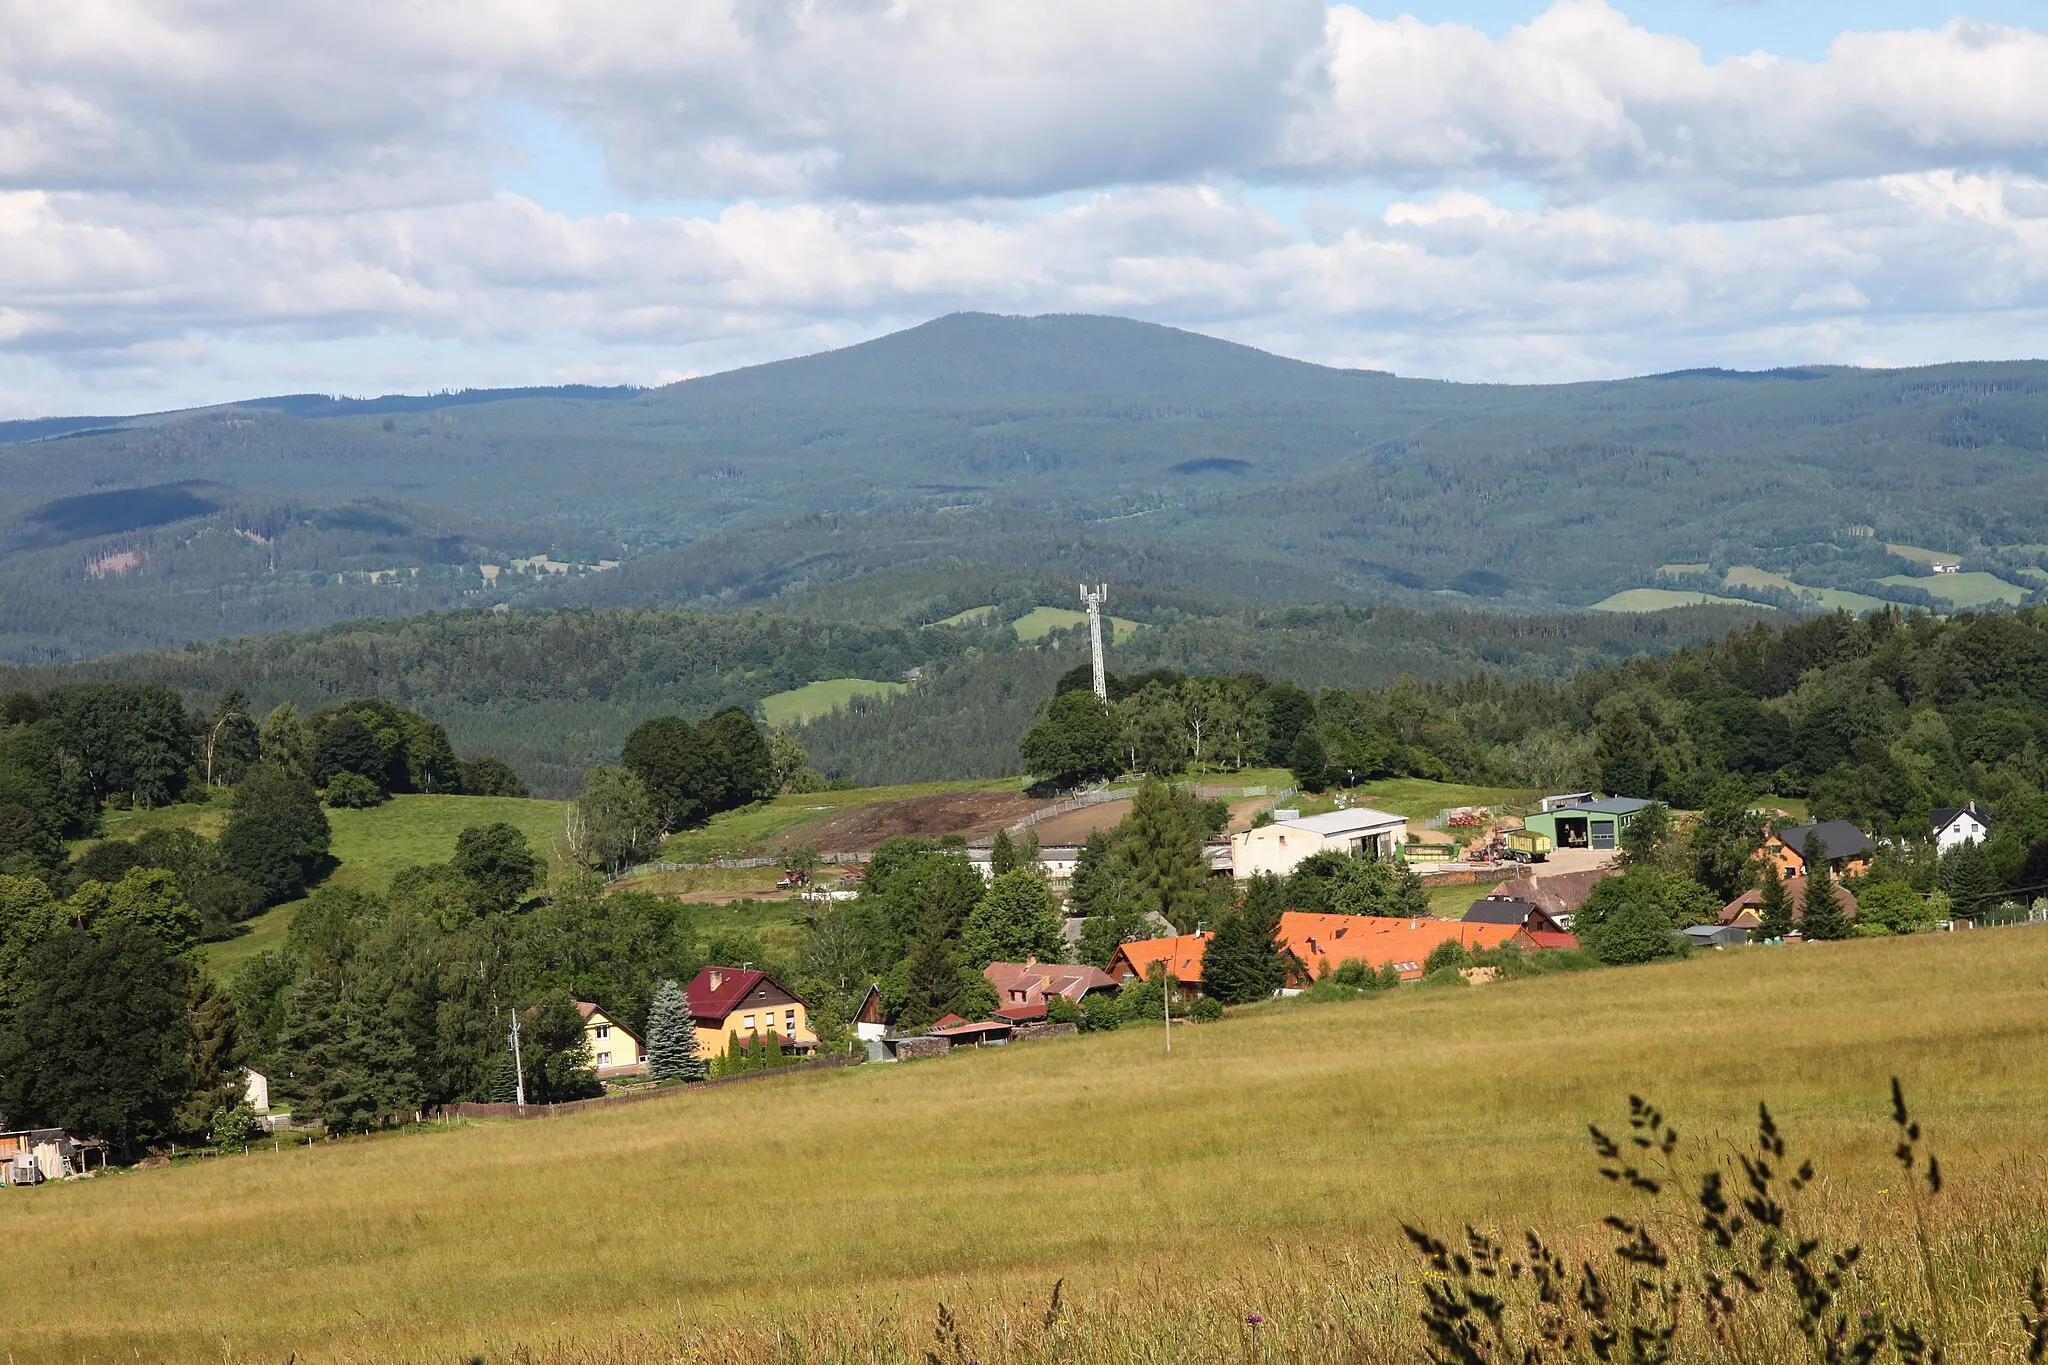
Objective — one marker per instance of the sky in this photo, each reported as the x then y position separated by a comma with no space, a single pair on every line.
209,199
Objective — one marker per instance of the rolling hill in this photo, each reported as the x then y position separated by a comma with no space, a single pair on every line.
1083,446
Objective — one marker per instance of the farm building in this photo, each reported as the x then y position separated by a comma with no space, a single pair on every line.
1525,914
1587,824
1023,987
1279,848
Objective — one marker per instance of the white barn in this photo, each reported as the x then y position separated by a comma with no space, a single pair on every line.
1279,848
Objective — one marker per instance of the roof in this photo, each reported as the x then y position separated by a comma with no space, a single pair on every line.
1022,1014
1613,805
1716,933
963,1029
1553,940
1838,839
1344,821
1795,891
1944,816
734,986
1182,955
586,1009
1498,909
1040,979
946,1021
1558,894
1382,941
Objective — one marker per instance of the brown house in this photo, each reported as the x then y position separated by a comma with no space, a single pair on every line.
1846,848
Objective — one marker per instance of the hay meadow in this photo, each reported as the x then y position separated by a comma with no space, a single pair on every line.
1236,1200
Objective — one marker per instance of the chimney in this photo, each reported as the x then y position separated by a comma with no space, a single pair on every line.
717,980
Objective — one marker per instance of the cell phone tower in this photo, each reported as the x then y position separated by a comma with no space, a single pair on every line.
1093,601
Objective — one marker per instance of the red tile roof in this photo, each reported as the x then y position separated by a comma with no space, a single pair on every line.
1550,940
711,1003
1025,982
1022,1014
1382,941
1181,954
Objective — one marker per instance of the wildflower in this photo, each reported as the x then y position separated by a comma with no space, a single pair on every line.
1253,1319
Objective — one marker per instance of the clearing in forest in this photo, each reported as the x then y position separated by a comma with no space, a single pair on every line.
812,700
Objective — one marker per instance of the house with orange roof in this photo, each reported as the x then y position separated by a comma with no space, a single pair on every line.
1322,943
1180,955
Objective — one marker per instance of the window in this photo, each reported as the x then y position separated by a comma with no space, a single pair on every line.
604,1059
604,1030
789,1022
748,1023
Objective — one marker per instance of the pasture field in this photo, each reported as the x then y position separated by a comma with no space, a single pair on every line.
1261,1168
373,844
1921,555
1964,590
972,616
1664,599
1042,621
804,703
1749,576
1418,798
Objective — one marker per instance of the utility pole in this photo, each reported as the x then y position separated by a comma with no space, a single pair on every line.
1166,982
518,1066
1093,600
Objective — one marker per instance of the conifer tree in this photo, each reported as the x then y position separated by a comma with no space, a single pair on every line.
1820,914
672,1053
1167,854
1776,910
1002,854
505,1080
934,976
1245,960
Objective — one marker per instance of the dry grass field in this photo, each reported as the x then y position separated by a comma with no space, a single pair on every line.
1258,1170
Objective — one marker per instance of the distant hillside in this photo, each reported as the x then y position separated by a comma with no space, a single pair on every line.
552,692
1083,446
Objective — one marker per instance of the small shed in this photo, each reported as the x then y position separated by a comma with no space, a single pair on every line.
1717,935
1587,824
868,1023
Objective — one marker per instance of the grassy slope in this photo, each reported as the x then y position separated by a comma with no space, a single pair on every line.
1041,621
1749,576
1661,599
1965,590
800,704
1296,1131
405,831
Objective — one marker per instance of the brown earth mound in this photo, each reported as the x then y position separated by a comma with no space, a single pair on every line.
859,829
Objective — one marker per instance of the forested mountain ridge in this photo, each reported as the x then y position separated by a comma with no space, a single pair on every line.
1090,446
553,692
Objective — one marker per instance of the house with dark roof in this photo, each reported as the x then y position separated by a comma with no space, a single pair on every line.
1954,826
1499,909
728,1003
1846,848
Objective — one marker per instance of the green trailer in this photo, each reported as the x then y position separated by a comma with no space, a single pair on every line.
1528,845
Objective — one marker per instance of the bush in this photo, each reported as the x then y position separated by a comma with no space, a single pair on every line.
1449,953
1103,1012
352,791
1445,976
1207,1010
1060,1010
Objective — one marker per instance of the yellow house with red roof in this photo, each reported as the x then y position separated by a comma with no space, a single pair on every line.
732,1002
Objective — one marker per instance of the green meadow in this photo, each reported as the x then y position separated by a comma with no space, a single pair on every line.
1236,1199
804,703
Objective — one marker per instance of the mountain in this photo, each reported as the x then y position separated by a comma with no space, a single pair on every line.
1071,446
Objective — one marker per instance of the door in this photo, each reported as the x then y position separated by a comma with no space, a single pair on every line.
1603,833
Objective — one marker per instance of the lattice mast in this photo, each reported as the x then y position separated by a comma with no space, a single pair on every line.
1093,599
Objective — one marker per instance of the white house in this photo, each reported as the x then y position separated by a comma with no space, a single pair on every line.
1278,848
1954,826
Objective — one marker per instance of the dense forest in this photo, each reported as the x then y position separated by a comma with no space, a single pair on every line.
552,693
1093,447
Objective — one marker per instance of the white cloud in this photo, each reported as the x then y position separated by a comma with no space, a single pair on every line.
185,184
